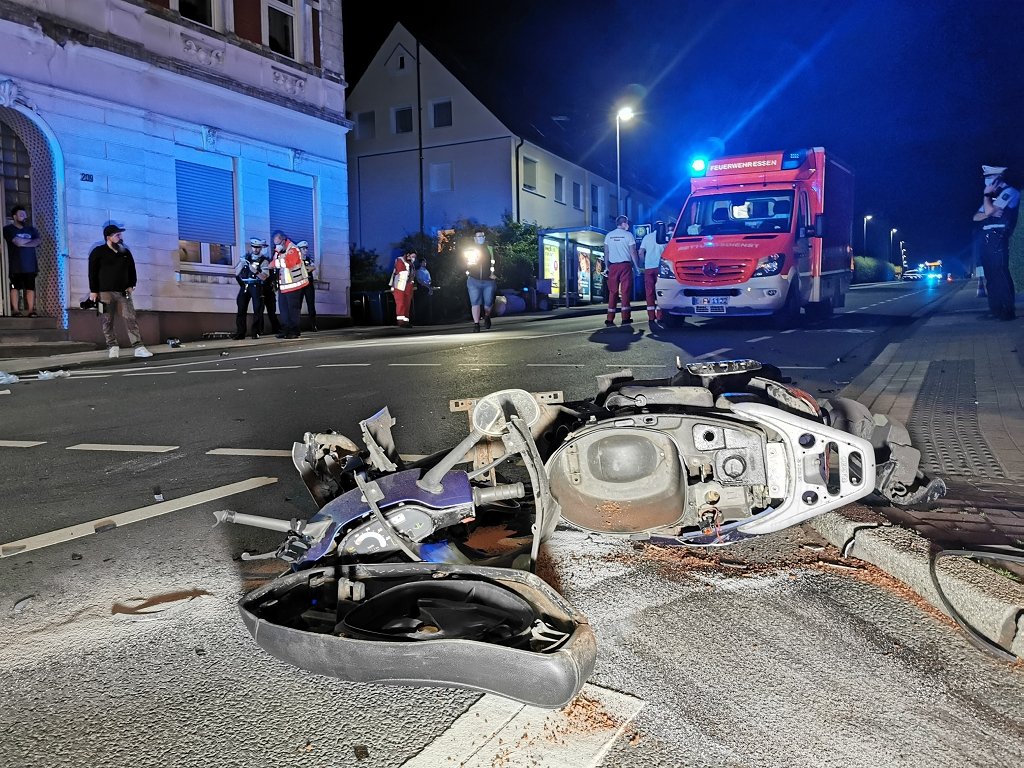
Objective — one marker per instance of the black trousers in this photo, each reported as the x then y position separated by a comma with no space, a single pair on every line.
247,293
270,303
309,295
995,259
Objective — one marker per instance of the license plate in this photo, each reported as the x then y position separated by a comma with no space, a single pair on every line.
712,300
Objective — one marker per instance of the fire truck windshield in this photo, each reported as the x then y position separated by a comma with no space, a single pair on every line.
737,213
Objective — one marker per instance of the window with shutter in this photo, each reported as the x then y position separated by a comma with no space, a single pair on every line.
206,214
291,211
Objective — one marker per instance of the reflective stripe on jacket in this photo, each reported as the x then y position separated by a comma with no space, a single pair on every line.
292,274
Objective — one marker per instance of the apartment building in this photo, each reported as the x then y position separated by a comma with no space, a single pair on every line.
193,124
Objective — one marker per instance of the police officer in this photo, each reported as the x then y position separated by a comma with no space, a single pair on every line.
250,288
269,290
998,218
309,292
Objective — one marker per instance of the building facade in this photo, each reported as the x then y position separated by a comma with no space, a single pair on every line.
427,152
193,124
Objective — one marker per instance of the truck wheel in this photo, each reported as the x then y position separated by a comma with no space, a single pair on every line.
789,315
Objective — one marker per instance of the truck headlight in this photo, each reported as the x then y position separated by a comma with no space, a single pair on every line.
665,269
770,266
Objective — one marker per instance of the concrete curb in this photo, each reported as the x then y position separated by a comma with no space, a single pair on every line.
993,605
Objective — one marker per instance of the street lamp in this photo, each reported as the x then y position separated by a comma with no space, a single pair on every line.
626,113
892,232
866,220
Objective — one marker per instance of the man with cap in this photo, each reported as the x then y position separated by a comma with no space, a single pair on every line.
250,288
291,278
481,279
998,218
309,292
112,280
621,256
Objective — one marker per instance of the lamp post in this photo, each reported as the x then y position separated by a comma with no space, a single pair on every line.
626,113
892,232
866,220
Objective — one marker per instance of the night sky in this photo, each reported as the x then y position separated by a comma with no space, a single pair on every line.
914,96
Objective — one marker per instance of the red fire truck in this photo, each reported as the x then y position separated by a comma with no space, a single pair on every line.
761,234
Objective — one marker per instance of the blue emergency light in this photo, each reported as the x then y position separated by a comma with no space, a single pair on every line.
699,166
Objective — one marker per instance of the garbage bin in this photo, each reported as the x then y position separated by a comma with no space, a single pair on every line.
373,308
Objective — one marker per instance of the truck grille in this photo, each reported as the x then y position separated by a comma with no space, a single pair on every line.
713,271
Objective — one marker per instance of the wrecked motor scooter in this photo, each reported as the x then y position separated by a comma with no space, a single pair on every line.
389,586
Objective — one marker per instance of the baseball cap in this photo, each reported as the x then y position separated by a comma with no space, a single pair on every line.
992,170
112,229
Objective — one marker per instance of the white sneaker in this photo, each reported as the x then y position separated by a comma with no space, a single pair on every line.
113,352
141,351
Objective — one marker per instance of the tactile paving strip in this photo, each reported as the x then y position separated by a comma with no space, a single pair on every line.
944,423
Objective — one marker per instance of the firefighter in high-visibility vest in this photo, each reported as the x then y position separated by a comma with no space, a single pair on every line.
292,278
402,286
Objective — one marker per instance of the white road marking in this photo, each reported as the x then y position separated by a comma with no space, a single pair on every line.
132,516
152,373
414,365
805,367
344,365
248,452
498,731
791,330
214,370
21,443
714,353
759,338
482,365
554,365
81,376
122,448
630,365
5,391
275,368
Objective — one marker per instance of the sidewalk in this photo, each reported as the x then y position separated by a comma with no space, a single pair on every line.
958,385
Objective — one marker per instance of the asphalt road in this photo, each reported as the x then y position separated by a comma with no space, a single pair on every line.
772,659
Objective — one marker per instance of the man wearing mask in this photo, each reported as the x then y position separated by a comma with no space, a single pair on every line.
292,278
22,266
997,216
309,292
481,281
112,280
250,288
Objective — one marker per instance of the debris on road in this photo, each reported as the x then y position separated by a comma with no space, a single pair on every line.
8,378
48,375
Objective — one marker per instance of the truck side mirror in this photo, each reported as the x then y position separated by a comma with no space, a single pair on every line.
660,233
819,225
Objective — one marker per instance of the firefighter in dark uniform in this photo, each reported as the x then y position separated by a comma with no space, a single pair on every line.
998,218
250,288
309,292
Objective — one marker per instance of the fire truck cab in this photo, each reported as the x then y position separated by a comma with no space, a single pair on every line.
761,234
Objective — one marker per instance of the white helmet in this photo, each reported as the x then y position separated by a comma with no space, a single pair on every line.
256,242
302,244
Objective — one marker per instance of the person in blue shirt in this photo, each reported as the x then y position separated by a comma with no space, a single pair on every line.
21,239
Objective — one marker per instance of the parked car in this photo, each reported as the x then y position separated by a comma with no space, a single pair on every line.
911,274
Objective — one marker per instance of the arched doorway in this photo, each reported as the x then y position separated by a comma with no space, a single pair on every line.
32,176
